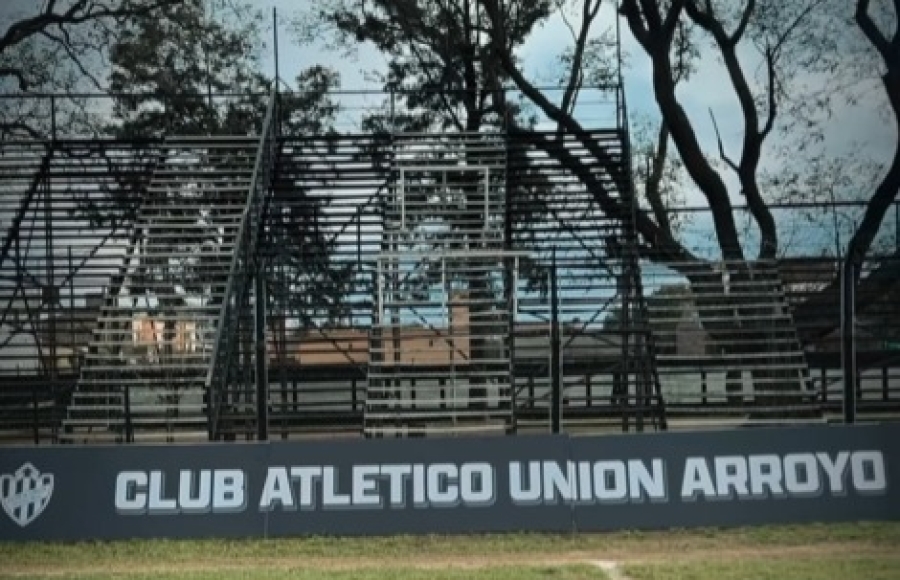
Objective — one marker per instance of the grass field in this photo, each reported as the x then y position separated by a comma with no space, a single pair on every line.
820,552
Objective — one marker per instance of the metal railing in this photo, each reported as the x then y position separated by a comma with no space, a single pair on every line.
306,391
243,262
53,116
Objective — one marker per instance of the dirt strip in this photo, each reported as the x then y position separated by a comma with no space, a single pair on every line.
611,569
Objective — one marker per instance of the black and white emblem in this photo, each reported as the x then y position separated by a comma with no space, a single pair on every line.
25,494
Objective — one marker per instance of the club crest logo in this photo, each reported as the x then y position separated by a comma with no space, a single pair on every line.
25,494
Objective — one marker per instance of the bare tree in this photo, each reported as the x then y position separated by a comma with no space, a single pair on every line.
778,33
782,37
887,44
60,47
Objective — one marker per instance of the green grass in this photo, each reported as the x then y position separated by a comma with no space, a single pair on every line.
575,572
820,568
872,534
862,550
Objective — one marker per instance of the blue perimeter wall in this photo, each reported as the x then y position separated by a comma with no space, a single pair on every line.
411,486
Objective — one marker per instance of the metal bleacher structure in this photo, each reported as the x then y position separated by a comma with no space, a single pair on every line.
188,288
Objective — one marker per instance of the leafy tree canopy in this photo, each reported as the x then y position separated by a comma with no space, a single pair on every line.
60,47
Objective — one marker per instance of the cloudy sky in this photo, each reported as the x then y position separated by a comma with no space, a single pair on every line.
861,127
707,90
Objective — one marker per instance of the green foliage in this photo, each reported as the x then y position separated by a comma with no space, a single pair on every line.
794,551
170,71
60,48
821,567
310,109
186,71
573,572
440,67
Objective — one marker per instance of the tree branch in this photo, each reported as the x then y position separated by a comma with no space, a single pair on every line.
885,195
685,139
671,20
782,38
753,137
575,74
653,189
565,19
638,27
76,60
773,101
650,10
47,18
78,12
667,249
868,27
457,122
17,73
9,128
745,20
722,153
703,19
498,44
886,192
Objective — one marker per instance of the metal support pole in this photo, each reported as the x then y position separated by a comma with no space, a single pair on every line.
129,428
510,277
262,375
393,117
555,393
53,118
848,338
510,280
375,340
704,388
35,415
275,45
624,387
50,296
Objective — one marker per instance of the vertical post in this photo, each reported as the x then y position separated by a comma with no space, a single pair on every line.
848,337
375,341
277,119
823,378
50,296
510,281
620,97
35,416
166,122
76,361
897,226
129,428
206,56
623,390
70,274
53,117
262,375
393,118
704,389
275,45
555,388
281,332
